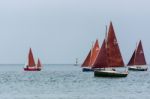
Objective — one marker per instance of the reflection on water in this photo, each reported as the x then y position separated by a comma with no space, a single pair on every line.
69,82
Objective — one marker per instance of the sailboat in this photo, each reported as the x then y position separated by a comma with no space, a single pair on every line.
31,66
137,61
88,63
109,57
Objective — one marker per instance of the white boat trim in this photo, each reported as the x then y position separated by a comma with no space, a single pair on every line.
87,67
138,67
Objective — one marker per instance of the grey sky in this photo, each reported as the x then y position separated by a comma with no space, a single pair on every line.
61,30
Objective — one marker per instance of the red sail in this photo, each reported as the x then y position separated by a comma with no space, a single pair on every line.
94,52
138,58
131,62
39,65
92,55
113,51
101,60
109,55
31,61
86,63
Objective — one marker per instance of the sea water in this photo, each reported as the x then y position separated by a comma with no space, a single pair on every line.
69,82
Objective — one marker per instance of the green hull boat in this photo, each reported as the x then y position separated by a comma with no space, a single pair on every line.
101,73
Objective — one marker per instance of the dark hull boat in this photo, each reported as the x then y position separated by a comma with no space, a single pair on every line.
87,69
31,63
137,61
103,73
88,63
109,57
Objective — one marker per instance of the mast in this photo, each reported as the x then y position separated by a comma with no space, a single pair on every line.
106,46
135,52
106,33
91,54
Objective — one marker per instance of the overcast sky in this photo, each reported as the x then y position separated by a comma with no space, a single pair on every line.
58,31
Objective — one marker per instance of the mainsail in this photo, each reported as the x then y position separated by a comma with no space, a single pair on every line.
109,55
113,51
90,59
138,57
31,62
101,60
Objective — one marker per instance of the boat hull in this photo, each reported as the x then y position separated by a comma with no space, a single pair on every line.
87,69
32,69
136,68
109,74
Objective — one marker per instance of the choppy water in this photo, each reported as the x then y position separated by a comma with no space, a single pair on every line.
69,82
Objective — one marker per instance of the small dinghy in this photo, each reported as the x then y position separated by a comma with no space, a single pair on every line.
87,69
